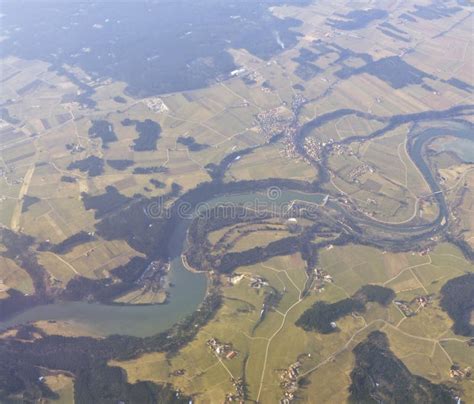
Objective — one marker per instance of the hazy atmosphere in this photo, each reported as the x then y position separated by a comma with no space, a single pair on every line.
218,201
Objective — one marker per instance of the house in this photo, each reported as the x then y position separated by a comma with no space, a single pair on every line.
231,355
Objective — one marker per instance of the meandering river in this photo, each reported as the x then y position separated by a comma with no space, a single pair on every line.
187,293
190,288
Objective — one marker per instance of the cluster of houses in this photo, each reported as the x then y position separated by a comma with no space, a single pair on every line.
8,175
254,77
297,101
321,278
258,282
156,105
457,373
314,148
358,171
74,148
289,382
425,252
322,275
273,121
221,349
424,301
407,307
239,395
341,149
289,150
154,276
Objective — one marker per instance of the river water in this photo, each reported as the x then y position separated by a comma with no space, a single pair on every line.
187,293
190,288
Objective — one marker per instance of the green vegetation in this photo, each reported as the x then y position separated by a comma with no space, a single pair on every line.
68,244
87,359
457,298
105,156
28,201
322,316
120,164
108,202
148,134
191,143
103,130
378,375
92,165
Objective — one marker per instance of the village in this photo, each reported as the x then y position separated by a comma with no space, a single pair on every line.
457,373
153,278
289,379
239,395
358,171
320,279
156,105
255,282
410,309
289,382
221,349
8,175
226,351
274,121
